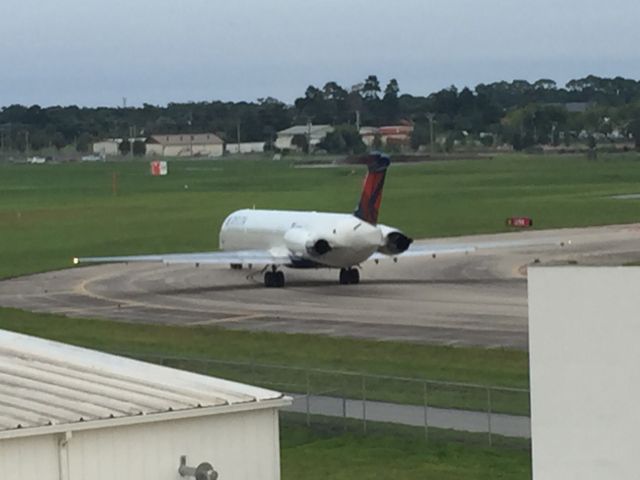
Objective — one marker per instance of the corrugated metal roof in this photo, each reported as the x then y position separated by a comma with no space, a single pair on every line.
45,383
305,129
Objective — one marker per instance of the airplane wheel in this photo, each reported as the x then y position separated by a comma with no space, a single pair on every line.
274,279
344,276
236,266
354,276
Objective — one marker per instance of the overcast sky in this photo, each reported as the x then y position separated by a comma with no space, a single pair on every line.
92,52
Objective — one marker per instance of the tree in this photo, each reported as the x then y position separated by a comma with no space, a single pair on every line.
344,139
301,142
139,148
634,130
125,147
371,88
58,141
420,135
390,103
82,143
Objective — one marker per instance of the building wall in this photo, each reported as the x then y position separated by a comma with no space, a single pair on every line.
240,446
283,142
210,150
33,458
106,148
154,149
584,332
245,147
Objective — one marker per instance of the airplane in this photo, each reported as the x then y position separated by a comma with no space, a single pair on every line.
304,239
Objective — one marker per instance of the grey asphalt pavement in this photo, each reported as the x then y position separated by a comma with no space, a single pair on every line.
477,299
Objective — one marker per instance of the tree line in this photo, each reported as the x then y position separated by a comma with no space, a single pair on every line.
517,113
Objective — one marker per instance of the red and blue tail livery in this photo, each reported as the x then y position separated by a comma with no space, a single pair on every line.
371,197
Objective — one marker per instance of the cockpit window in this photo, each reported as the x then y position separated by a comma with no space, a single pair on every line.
236,221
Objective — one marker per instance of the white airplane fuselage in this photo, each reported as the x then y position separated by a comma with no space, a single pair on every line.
310,238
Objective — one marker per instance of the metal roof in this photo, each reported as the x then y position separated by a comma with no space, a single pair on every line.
306,129
186,139
50,384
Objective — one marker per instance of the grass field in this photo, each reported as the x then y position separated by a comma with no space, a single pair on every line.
395,453
493,367
50,213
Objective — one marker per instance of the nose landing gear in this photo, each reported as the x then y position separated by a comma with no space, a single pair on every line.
349,276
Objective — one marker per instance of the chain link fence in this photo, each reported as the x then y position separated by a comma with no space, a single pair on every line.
367,403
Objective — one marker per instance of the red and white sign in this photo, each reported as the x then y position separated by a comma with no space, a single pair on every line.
159,168
520,222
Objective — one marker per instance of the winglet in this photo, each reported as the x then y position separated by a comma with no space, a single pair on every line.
371,196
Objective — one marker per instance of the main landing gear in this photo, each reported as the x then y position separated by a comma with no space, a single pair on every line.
349,276
273,278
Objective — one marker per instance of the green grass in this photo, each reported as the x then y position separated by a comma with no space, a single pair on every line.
495,367
50,213
399,453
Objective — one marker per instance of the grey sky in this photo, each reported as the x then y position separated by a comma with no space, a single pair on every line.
92,52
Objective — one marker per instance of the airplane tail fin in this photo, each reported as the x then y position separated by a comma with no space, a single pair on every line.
371,196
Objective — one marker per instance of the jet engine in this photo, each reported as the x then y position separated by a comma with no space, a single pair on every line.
394,241
301,242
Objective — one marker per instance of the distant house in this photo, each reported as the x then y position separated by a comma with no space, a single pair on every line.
185,145
244,147
109,146
314,133
396,134
368,135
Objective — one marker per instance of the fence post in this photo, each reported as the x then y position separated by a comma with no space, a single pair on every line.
426,414
364,404
308,399
253,370
489,414
344,408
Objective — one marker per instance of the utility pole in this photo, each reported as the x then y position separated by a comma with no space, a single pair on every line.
132,133
358,120
26,142
308,135
238,135
431,116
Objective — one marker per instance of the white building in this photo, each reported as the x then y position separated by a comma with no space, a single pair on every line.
584,332
314,133
109,146
185,145
68,413
369,134
245,147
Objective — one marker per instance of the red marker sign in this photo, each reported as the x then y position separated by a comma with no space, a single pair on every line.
520,222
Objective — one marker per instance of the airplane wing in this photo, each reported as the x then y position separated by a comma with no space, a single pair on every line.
434,250
257,257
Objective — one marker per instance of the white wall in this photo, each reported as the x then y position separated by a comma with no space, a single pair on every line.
106,148
34,458
240,446
245,147
584,334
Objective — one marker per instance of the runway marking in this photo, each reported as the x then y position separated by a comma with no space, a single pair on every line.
82,289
